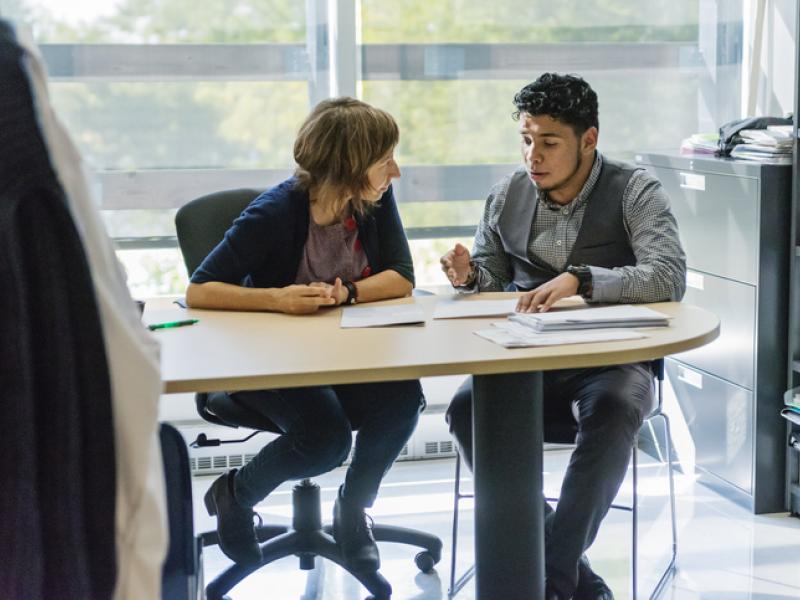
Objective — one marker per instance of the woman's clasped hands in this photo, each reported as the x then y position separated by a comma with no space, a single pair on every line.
307,299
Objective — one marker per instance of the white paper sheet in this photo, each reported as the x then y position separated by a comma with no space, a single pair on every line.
621,315
456,308
382,316
512,335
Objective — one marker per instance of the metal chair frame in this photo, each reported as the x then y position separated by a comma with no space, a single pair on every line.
458,582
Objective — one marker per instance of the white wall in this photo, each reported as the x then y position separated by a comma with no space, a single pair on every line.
775,85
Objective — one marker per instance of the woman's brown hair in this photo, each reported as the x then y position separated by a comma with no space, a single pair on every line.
337,144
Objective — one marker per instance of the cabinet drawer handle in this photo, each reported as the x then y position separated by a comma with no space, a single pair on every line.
692,378
692,181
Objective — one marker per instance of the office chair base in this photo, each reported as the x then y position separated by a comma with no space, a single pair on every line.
432,545
263,533
304,544
307,539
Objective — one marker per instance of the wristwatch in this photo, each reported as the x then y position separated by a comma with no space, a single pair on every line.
584,275
352,292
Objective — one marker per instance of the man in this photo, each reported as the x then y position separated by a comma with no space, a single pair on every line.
571,221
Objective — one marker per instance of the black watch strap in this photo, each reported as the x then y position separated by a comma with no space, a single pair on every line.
352,292
584,275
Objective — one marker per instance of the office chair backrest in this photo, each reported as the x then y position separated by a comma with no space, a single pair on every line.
180,575
201,224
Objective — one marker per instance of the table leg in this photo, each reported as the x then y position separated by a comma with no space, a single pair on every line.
509,526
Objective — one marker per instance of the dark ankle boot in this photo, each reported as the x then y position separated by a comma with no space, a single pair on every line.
352,530
237,537
590,585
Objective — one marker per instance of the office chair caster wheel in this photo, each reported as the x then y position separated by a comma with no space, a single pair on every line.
424,562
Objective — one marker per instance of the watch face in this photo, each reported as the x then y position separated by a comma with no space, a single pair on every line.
577,271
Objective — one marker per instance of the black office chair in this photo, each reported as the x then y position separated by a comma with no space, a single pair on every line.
201,224
458,582
181,572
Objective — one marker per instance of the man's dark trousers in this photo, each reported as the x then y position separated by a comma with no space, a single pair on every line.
600,409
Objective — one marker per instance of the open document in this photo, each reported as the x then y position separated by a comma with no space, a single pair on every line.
382,316
457,308
513,335
622,315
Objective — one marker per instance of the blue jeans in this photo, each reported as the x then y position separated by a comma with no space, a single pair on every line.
316,425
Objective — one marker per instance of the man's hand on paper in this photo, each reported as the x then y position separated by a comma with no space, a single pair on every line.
542,298
304,299
456,265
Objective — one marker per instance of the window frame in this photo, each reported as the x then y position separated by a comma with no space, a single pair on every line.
334,62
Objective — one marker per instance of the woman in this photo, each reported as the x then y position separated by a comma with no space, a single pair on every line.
329,235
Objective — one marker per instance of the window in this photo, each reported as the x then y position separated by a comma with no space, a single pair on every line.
448,71
170,99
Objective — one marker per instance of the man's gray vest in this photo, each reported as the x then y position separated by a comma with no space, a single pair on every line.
602,240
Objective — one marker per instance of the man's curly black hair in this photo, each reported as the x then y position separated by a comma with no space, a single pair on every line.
565,98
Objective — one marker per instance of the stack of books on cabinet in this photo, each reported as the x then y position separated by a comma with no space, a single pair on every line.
772,144
791,411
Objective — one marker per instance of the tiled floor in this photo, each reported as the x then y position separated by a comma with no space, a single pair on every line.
724,552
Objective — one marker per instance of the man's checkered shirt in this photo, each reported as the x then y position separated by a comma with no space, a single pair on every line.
660,270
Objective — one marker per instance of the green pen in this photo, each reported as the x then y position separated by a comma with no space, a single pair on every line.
155,326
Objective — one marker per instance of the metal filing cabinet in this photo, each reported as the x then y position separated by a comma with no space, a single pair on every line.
734,222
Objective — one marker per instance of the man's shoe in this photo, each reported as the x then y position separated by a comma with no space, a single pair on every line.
590,585
352,530
237,537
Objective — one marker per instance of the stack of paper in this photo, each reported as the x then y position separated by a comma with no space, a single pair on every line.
792,398
513,335
622,315
700,143
792,401
774,145
457,308
791,414
780,138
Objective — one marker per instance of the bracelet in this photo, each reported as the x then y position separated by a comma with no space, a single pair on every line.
352,292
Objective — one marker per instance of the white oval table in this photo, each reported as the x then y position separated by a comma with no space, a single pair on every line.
249,350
